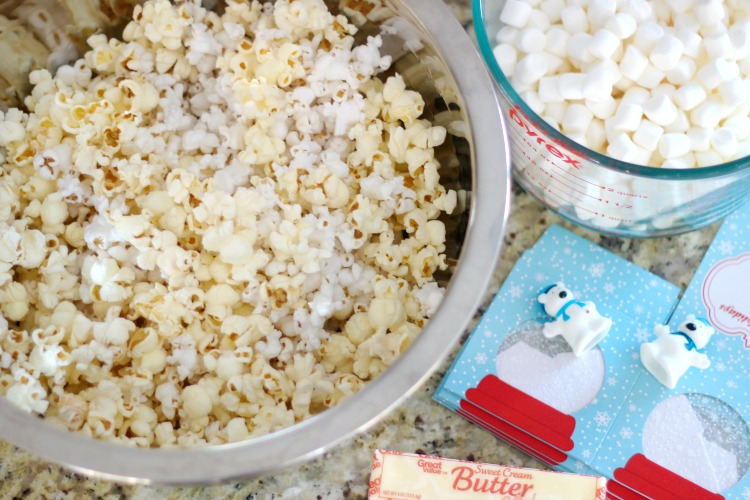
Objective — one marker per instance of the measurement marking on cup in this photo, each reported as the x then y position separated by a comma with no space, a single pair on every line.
554,179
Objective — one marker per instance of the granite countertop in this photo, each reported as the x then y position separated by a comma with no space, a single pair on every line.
418,425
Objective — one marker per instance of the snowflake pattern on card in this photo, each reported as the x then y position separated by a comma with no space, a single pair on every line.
592,389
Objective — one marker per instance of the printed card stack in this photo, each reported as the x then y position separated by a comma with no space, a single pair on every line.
602,412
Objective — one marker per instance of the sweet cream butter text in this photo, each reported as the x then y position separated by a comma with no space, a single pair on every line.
467,479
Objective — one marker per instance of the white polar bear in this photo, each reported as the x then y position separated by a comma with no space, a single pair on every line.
672,353
578,322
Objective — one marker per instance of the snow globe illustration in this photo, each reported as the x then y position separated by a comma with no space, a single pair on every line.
546,368
699,437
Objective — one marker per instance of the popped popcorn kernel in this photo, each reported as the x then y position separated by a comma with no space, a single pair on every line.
216,227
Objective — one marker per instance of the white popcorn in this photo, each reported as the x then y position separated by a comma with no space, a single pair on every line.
181,234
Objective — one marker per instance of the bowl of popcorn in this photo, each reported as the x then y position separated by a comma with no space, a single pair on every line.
629,117
232,237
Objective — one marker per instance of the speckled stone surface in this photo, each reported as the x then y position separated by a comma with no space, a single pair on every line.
417,425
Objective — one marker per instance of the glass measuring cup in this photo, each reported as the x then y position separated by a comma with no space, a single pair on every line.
599,192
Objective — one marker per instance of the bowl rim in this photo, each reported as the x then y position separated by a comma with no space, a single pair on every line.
687,174
489,208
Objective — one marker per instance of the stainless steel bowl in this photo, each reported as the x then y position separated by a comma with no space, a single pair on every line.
459,93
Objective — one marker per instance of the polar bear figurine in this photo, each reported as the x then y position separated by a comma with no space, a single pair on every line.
672,353
578,322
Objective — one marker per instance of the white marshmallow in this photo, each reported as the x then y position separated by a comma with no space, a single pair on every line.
743,150
578,48
555,64
651,77
516,13
622,148
647,135
557,41
735,91
682,72
531,40
680,6
622,25
539,20
507,34
719,46
681,123
673,145
604,108
647,35
707,158
549,89
717,71
577,118
571,86
595,136
709,11
660,109
633,63
667,52
689,96
627,118
551,122
688,21
740,125
739,34
691,41
574,19
599,11
724,142
556,110
552,8
714,29
603,44
635,95
639,9
531,98
506,57
597,85
531,68
707,115
700,139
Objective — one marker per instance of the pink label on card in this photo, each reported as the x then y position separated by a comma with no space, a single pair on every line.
726,295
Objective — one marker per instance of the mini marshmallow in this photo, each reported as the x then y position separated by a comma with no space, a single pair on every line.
707,115
709,11
531,40
660,110
719,46
633,63
595,135
739,34
556,110
506,57
604,108
647,135
574,19
507,34
571,86
689,96
549,89
740,125
635,95
724,142
672,145
667,52
627,118
707,159
700,139
622,25
715,72
682,72
552,9
691,42
578,48
577,118
597,85
516,13
603,44
681,123
539,20
557,41
533,101
647,35
687,21
531,68
734,92
599,11
622,148
651,77
679,6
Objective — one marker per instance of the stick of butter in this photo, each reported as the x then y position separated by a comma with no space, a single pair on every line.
404,476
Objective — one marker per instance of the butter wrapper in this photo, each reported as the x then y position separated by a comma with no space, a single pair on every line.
404,476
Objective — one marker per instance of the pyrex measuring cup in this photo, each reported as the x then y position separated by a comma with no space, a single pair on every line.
599,192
